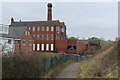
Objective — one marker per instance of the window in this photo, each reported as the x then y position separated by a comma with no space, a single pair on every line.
42,36
47,28
38,28
33,28
29,28
52,47
47,37
19,42
9,41
58,28
28,33
25,32
42,47
52,36
38,36
52,28
30,42
38,47
42,28
33,47
47,47
33,36
62,29
24,42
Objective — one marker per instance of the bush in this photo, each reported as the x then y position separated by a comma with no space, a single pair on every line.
32,65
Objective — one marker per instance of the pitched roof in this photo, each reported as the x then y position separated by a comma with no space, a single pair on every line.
16,32
34,23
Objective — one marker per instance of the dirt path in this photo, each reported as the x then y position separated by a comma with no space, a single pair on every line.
69,71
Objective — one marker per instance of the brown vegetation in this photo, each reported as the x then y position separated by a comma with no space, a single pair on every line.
34,65
102,65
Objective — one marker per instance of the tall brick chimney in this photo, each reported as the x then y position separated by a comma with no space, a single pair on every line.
12,20
49,17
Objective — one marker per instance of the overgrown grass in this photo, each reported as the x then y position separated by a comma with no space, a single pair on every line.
25,65
34,65
103,65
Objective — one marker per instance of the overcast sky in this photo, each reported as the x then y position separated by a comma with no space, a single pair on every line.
82,19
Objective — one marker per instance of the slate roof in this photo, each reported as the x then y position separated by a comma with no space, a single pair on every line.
34,23
14,32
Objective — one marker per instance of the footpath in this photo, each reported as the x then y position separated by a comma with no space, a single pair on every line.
69,71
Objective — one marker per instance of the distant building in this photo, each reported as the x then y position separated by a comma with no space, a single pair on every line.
4,29
6,42
94,44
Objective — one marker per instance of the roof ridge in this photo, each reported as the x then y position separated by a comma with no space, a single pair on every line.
33,21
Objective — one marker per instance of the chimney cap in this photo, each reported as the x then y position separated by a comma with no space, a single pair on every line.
12,18
49,5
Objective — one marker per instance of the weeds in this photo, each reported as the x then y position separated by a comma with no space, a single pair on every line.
103,65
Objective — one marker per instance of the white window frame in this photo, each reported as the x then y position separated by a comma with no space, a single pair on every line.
33,28
28,33
52,28
25,32
33,47
47,28
38,47
51,47
29,28
47,47
42,47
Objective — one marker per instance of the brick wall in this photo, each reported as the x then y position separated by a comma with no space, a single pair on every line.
61,46
27,46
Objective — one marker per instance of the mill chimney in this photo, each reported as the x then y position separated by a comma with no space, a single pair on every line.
12,20
49,17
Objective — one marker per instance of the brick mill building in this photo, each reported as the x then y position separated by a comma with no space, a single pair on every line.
46,36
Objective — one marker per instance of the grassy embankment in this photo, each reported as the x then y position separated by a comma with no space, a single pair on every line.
102,65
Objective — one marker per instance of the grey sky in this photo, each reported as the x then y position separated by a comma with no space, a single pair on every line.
83,19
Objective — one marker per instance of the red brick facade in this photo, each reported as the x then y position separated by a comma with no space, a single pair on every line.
25,43
46,36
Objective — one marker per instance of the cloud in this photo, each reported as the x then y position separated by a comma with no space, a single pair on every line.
84,19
